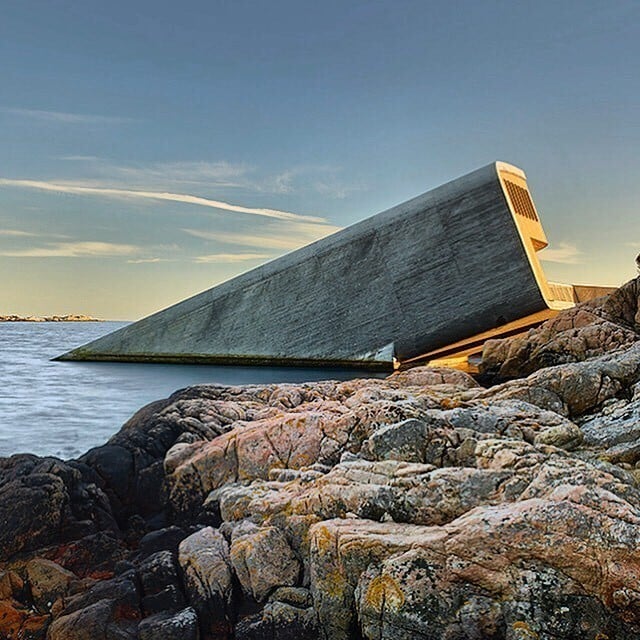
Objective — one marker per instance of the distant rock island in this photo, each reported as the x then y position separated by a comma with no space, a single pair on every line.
72,317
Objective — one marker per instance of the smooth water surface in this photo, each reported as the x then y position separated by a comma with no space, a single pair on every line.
65,408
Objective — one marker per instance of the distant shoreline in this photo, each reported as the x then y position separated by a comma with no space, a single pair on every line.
66,318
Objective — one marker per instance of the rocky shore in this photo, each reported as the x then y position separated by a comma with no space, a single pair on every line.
73,317
420,506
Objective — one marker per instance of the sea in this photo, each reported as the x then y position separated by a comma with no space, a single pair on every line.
65,408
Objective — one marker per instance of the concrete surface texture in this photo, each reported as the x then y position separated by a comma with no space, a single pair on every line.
446,265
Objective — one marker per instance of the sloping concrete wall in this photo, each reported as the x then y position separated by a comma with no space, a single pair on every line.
445,265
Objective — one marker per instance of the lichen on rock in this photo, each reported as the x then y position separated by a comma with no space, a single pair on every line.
419,506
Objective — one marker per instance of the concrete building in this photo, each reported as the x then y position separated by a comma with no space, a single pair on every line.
452,263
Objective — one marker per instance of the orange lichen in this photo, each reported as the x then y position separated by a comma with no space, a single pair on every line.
11,619
525,630
322,539
384,592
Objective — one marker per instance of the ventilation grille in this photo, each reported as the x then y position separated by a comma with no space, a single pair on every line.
562,292
521,200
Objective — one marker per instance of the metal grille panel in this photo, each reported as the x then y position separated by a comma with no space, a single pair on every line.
521,200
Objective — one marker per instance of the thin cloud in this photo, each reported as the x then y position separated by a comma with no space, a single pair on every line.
157,195
334,189
280,183
230,257
149,260
178,175
74,250
219,174
564,253
79,158
63,117
297,235
16,233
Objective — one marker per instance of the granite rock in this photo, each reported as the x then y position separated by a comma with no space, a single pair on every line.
262,561
417,506
208,574
588,330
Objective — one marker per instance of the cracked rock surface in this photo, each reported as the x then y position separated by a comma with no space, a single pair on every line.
421,506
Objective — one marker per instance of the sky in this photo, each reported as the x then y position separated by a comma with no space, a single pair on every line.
150,150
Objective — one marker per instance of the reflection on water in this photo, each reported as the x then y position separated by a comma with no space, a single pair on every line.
65,408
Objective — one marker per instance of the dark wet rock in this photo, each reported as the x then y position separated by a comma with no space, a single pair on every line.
114,464
56,504
102,619
161,584
130,465
288,614
158,571
122,591
182,625
166,539
133,450
167,600
94,556
279,621
123,566
107,609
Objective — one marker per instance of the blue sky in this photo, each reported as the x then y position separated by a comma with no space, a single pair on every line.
149,150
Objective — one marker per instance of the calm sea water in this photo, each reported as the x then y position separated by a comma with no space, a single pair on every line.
65,408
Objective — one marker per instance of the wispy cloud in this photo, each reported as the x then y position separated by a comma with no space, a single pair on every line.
157,195
332,188
231,257
280,183
212,174
178,175
296,235
74,250
19,233
63,117
149,260
79,158
16,233
564,253
322,179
